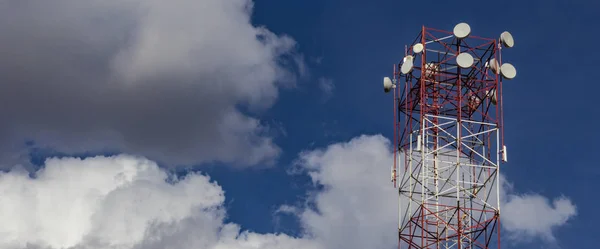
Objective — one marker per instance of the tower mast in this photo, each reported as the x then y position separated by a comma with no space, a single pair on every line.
448,136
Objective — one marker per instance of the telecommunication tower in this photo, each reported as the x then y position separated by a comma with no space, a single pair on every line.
448,138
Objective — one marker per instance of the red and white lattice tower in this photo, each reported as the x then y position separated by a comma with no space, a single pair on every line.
448,136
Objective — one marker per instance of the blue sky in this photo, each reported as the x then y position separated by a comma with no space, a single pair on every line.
547,115
358,42
549,110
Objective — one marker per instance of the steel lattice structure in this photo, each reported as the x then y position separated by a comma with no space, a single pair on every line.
448,139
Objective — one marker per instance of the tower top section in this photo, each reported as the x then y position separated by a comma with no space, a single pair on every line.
453,73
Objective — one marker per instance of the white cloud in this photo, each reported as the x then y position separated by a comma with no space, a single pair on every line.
327,86
119,202
358,208
161,79
532,215
125,202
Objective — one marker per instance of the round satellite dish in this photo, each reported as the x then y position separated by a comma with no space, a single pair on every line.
508,71
418,48
464,60
407,66
494,65
492,95
462,30
387,84
507,39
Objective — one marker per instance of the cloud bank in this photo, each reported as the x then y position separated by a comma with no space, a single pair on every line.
163,79
530,216
127,202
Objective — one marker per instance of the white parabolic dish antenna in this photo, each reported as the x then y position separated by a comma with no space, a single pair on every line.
407,66
462,30
464,60
507,39
492,95
418,48
387,84
508,71
494,65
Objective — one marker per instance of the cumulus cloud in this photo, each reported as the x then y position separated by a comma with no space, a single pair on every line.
529,216
120,202
127,202
162,79
358,207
